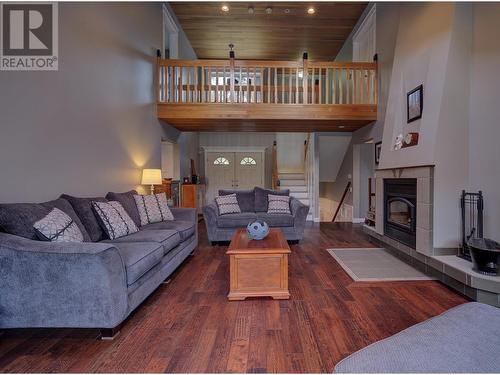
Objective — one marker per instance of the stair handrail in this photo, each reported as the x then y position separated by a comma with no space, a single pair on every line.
341,200
306,146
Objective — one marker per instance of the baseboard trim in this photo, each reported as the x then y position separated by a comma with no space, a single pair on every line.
358,220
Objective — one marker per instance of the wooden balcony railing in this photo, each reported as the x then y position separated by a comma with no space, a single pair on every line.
266,82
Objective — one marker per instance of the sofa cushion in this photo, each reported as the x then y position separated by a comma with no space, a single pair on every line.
227,204
57,226
261,202
128,202
84,210
245,198
236,220
274,220
169,238
278,205
153,208
18,218
139,258
185,228
114,220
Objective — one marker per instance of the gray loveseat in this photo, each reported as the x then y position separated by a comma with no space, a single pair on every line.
253,204
93,284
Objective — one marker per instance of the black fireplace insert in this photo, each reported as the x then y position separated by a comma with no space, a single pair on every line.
400,213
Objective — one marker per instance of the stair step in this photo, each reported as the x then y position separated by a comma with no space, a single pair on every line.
292,182
291,176
296,189
299,195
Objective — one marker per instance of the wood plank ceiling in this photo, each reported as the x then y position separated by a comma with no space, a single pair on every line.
284,34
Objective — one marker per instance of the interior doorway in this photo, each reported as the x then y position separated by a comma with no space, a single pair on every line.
227,169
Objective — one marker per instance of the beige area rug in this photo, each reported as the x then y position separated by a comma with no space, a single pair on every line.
375,264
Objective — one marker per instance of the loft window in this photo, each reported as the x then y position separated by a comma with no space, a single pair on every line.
221,161
248,161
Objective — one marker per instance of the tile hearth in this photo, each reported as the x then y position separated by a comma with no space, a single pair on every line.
441,263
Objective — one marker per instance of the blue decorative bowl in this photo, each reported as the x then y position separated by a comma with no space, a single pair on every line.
257,230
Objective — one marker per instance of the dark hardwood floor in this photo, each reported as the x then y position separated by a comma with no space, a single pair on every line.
189,326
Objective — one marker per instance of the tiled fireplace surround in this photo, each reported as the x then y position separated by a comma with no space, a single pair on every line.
443,264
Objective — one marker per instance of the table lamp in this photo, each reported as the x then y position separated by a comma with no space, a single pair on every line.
151,177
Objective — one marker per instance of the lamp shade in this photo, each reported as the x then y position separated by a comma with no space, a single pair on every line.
151,177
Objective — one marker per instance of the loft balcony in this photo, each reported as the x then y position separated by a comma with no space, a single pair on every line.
260,95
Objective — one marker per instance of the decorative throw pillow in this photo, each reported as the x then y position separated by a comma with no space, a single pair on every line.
57,226
278,204
228,204
114,219
153,208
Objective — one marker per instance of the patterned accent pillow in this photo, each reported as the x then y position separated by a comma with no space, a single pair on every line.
58,226
278,204
228,204
153,208
114,219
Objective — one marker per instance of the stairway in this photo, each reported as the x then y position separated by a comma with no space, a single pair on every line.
296,183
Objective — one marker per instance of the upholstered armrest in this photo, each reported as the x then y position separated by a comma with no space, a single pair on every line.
60,284
187,214
210,214
299,212
298,208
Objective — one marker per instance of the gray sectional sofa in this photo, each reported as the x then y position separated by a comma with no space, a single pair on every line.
92,284
253,204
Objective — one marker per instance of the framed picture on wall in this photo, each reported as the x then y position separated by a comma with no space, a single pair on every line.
414,103
378,148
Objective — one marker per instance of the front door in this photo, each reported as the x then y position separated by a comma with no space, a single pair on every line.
233,170
248,170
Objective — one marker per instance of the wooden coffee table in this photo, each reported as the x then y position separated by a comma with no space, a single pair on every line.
258,268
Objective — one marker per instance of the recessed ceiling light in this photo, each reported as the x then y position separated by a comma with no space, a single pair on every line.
225,8
287,11
311,10
341,127
269,10
251,10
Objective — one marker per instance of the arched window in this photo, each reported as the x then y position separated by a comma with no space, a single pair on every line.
248,161
221,161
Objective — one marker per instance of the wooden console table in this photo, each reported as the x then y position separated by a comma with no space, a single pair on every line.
258,268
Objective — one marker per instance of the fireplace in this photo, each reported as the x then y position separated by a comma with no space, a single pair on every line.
400,211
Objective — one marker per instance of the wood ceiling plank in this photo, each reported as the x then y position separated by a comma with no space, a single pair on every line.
278,35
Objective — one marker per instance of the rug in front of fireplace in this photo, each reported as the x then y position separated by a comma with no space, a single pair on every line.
375,264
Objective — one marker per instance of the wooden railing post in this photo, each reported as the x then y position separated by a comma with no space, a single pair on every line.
275,166
159,80
305,78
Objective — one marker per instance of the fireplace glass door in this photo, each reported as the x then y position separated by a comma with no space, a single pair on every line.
400,211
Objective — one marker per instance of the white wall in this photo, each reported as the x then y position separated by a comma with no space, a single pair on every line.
453,49
90,127
332,148
420,57
484,121
290,152
188,142
387,22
